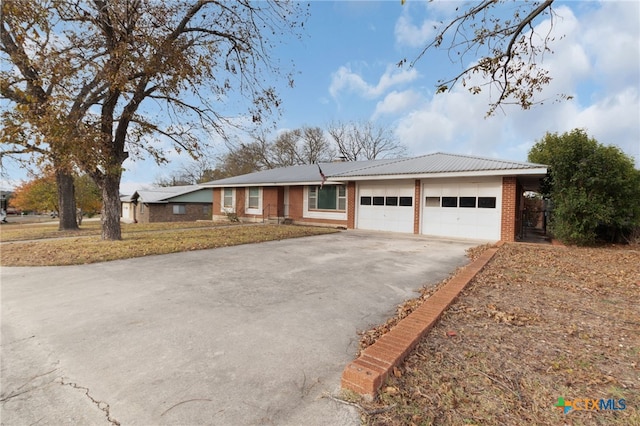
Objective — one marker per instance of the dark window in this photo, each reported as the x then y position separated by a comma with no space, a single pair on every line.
468,202
329,197
378,201
487,202
391,201
365,201
449,201
432,202
406,201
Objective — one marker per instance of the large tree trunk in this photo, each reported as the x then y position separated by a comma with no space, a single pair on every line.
66,201
110,186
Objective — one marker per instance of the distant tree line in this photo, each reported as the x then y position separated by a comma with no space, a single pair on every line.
350,141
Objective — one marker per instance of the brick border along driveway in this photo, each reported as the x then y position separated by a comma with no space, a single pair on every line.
368,372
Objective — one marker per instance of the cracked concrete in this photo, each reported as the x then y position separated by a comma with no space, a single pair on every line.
254,334
103,406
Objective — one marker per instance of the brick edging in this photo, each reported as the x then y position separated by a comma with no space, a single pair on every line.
368,372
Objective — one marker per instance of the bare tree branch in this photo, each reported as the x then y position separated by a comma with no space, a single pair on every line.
498,50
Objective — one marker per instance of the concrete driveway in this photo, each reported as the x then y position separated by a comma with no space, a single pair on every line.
247,335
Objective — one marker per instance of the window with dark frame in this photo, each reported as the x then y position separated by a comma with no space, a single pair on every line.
449,201
365,201
378,201
468,202
391,201
406,201
486,202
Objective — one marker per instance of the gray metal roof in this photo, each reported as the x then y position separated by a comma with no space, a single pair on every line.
438,163
163,194
306,173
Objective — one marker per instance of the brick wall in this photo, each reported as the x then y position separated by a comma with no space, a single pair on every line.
164,213
273,201
274,197
296,197
217,201
510,201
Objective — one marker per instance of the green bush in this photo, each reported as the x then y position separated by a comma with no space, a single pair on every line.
595,189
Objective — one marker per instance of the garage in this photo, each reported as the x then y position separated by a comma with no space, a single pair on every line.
385,206
462,208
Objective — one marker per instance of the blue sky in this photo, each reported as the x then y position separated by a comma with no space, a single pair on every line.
346,70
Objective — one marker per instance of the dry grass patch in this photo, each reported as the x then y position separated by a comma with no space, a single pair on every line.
25,232
538,323
74,251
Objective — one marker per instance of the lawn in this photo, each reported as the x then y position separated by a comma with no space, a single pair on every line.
537,324
33,231
40,245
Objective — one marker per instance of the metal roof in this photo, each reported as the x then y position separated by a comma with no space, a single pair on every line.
439,163
163,194
434,164
305,173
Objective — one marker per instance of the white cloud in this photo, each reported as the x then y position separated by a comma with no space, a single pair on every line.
345,80
611,34
129,187
414,36
606,103
614,120
396,102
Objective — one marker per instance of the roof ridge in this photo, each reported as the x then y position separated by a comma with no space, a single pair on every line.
478,157
377,160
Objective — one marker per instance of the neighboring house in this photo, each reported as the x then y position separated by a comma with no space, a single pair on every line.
167,204
437,194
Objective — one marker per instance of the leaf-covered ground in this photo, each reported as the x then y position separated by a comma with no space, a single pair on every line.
538,323
137,243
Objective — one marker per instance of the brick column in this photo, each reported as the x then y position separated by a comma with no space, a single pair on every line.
416,207
217,201
509,208
351,205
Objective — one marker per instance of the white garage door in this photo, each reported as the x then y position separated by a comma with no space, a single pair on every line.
462,209
386,207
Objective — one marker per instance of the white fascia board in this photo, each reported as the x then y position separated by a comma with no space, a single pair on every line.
511,172
243,185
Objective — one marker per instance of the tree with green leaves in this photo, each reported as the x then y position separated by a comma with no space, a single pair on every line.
595,189
98,81
41,194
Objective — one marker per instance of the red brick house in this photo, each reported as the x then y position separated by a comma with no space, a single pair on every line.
437,194
167,204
